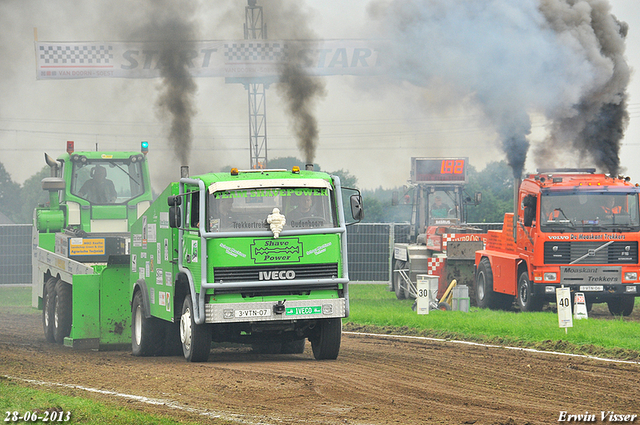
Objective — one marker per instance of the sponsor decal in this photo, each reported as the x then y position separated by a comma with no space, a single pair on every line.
79,246
232,251
319,250
276,251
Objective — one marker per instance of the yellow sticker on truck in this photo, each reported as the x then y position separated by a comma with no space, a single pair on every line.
80,246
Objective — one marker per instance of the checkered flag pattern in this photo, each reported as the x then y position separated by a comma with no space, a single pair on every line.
76,55
255,52
434,266
446,238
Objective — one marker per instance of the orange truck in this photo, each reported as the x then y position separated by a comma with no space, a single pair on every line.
573,228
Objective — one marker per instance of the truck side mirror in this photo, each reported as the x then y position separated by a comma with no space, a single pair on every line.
174,200
357,208
175,218
477,198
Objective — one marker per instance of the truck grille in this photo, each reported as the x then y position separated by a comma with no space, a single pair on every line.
256,273
566,252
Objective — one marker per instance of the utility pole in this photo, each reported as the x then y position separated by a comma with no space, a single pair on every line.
256,29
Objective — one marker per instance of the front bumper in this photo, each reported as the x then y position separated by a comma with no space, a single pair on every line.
593,292
270,311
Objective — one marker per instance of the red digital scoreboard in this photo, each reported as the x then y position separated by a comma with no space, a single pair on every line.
439,170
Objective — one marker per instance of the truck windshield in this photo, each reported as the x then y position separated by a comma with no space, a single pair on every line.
102,181
594,212
247,209
443,205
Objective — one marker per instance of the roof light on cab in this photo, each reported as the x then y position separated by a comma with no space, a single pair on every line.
295,169
70,147
234,172
144,147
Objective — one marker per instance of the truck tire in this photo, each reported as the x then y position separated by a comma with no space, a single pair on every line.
621,306
526,300
398,281
146,333
484,285
62,313
293,347
48,308
196,339
326,343
444,306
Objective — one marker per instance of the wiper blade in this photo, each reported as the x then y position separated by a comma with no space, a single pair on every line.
560,223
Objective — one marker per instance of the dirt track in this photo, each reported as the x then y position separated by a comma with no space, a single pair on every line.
376,380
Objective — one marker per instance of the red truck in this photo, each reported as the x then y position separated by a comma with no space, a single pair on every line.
572,228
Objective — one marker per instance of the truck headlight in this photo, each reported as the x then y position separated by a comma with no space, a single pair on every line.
631,276
550,277
631,289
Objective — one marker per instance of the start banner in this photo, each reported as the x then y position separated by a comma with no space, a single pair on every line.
243,59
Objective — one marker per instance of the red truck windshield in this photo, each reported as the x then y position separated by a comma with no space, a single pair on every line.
606,211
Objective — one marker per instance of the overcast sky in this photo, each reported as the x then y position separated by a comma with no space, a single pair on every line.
367,127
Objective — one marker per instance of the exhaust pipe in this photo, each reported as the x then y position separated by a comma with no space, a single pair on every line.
516,191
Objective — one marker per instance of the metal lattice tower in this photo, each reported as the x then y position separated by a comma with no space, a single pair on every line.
256,29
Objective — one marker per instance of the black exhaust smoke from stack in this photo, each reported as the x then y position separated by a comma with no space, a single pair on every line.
171,28
597,130
300,92
176,98
562,59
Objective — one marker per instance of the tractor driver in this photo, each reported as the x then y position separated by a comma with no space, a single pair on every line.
99,189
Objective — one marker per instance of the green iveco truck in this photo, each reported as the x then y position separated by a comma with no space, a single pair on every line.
256,257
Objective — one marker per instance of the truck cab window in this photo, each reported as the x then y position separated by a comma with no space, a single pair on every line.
248,209
107,181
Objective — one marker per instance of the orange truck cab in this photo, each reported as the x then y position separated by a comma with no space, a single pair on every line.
573,228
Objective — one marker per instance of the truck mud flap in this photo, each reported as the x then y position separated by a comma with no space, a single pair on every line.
101,318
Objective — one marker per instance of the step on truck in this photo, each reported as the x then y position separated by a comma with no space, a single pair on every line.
81,244
253,257
441,243
571,228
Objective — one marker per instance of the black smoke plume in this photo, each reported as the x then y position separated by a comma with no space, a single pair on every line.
559,58
596,131
301,91
170,26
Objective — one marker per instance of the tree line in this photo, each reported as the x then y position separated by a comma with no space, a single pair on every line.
495,181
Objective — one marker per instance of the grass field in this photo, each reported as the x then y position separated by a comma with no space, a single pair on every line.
374,308
16,401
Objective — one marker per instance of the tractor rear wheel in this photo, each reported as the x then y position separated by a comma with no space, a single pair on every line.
62,313
398,281
48,308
